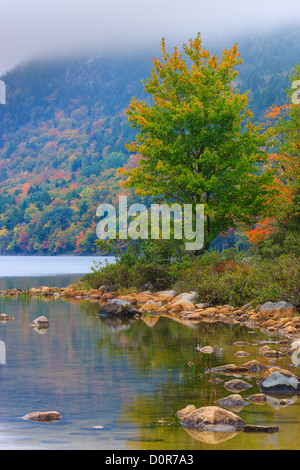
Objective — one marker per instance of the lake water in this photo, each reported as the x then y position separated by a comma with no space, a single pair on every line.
118,385
24,272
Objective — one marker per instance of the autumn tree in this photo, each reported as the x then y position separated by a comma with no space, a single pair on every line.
196,141
280,232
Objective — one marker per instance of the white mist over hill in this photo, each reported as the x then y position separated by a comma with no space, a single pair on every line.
30,28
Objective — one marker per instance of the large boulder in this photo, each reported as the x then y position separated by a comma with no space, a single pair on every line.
278,307
118,307
213,419
182,302
276,380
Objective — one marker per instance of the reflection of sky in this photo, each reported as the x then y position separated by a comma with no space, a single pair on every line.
63,370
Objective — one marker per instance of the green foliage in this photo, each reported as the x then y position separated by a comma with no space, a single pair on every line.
236,280
218,278
64,128
196,140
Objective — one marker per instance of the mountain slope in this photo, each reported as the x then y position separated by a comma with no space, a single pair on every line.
63,134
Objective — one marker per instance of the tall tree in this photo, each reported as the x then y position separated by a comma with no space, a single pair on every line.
196,141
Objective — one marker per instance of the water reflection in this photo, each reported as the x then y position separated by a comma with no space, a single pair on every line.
118,383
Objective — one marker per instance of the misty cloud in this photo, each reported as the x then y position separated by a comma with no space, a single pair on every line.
30,28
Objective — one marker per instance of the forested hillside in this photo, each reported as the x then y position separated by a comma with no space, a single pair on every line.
63,134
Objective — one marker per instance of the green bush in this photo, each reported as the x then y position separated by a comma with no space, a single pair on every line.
240,281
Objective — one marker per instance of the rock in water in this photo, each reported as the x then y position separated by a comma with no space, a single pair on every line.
4,317
276,380
185,411
233,401
253,366
254,428
43,416
207,349
228,369
213,418
118,307
40,322
237,385
284,307
259,398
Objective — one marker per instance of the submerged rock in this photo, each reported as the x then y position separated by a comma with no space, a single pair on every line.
207,350
118,307
43,416
228,369
185,411
276,380
5,318
259,398
253,366
241,354
182,302
273,353
237,385
235,402
213,419
255,428
231,369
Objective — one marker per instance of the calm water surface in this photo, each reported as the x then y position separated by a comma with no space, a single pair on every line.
126,379
24,272
118,385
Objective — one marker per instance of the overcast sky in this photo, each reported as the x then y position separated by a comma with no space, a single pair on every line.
29,28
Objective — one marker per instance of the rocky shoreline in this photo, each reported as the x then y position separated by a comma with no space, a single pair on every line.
273,318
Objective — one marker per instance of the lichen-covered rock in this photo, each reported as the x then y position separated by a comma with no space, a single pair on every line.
43,416
276,380
258,428
213,418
